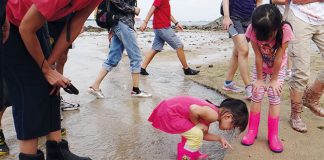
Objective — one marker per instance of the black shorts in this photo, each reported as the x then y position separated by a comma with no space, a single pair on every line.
35,112
55,29
4,101
240,24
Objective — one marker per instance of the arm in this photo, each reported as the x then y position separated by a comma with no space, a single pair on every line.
148,17
280,2
214,137
32,21
176,23
77,24
306,1
278,60
258,60
258,65
227,20
259,2
122,6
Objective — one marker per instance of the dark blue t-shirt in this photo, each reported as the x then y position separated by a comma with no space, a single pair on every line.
242,8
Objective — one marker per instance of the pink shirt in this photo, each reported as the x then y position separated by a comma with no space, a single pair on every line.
267,47
51,9
173,115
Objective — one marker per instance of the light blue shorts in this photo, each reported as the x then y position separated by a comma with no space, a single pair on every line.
166,35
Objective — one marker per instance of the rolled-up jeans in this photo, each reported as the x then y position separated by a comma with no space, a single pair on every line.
123,38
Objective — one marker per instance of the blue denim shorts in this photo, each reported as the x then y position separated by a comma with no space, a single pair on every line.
166,35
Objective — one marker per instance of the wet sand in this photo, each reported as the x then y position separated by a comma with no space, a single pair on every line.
117,128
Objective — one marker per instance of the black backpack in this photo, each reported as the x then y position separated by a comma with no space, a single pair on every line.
104,16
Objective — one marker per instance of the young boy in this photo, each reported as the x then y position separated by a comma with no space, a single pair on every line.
123,37
238,14
164,33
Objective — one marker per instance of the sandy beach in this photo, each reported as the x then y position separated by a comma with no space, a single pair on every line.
117,127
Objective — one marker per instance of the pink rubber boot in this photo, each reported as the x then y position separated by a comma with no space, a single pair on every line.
184,154
275,143
252,132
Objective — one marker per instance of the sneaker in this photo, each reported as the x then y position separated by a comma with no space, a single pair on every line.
4,149
143,72
63,131
190,71
141,94
97,93
66,106
248,92
232,87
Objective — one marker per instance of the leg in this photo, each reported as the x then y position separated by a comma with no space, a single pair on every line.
299,54
232,65
182,58
191,145
254,117
28,146
128,38
148,58
169,36
243,57
115,55
312,96
313,93
4,149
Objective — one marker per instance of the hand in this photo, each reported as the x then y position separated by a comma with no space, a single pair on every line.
137,11
227,22
276,86
6,31
257,85
203,127
110,35
225,144
56,79
143,26
179,27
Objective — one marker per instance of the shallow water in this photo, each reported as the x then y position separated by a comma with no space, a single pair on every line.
116,127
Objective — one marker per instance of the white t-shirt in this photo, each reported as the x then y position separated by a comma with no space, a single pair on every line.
312,13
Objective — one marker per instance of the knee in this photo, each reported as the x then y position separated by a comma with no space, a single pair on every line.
274,98
258,95
243,51
299,79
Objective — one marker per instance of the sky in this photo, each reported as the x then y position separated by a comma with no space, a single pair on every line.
187,10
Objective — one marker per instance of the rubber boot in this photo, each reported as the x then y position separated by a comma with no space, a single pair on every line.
60,151
252,132
38,156
184,154
311,101
275,143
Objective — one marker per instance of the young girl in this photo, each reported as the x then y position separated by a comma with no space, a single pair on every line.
269,37
32,82
190,117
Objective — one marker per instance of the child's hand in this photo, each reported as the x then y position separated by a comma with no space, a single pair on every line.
276,86
143,26
203,127
225,144
179,26
258,84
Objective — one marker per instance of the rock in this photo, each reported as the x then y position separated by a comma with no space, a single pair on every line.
93,29
211,66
